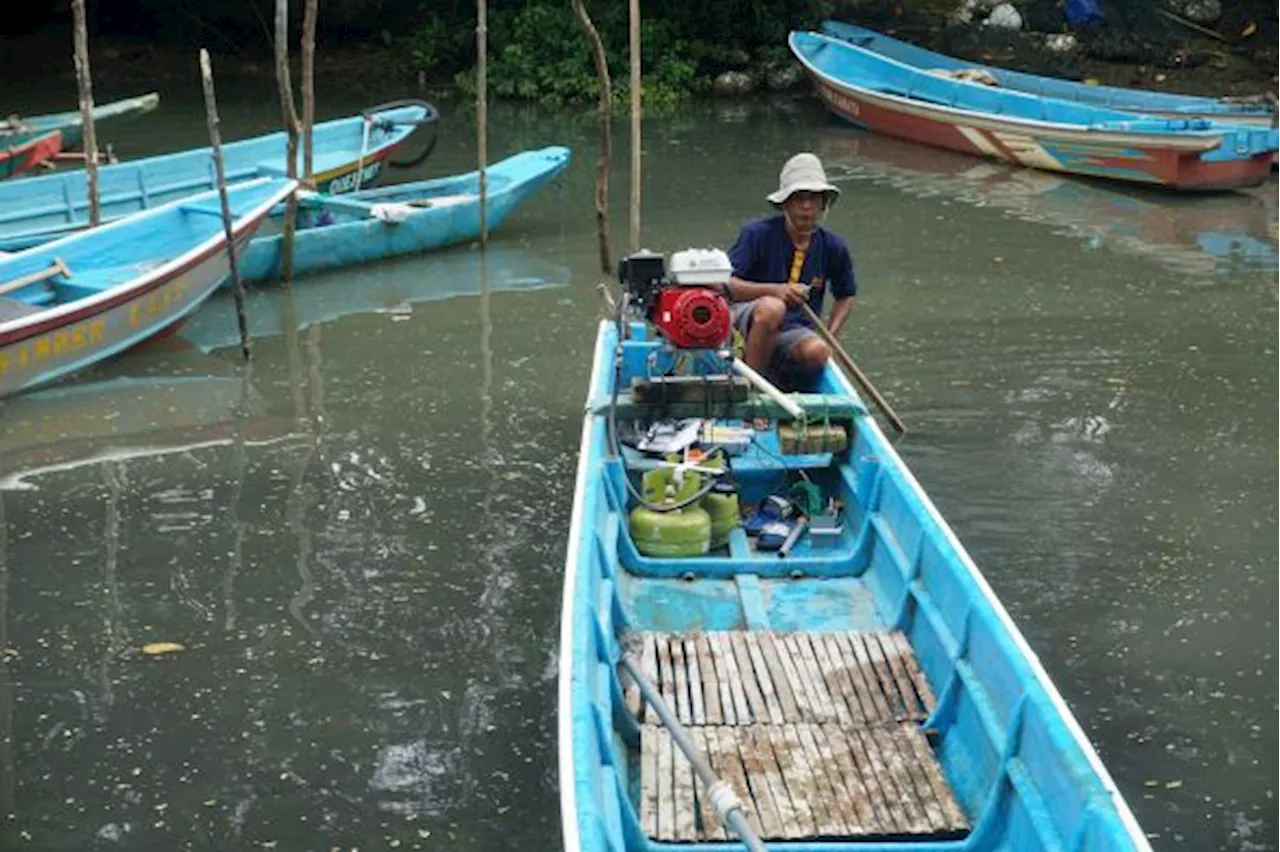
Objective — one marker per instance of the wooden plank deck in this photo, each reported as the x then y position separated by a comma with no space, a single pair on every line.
817,732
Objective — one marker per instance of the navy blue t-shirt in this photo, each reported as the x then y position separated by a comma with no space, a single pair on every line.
764,253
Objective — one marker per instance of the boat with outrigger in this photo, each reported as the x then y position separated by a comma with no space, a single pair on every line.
770,637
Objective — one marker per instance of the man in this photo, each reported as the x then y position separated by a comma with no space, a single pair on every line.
780,262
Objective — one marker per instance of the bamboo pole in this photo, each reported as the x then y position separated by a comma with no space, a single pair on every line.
211,112
310,14
482,114
605,143
290,115
85,84
635,124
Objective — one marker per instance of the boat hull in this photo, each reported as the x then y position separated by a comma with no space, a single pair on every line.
1117,156
41,347
358,236
1112,97
29,153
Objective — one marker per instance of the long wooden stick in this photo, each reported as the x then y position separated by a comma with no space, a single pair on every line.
846,362
211,112
604,150
85,84
55,268
482,114
290,115
310,15
635,124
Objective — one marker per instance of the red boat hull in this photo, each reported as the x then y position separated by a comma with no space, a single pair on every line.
29,154
1124,156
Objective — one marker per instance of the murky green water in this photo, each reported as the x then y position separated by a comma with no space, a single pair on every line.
359,540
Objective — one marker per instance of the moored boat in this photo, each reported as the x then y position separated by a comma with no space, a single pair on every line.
1230,110
896,99
71,125
349,154
407,218
857,687
88,296
20,155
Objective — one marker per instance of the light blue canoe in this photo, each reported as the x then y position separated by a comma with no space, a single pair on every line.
81,299
70,124
404,219
868,692
381,289
348,153
1112,97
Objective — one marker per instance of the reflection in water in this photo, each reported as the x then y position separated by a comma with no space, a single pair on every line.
8,772
1197,236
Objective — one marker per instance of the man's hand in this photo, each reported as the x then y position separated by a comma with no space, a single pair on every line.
793,294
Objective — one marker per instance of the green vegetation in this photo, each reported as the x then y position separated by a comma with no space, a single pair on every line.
538,52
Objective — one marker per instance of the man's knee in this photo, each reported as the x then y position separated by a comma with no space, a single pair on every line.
811,354
768,312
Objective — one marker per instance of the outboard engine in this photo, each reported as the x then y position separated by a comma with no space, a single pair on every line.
689,306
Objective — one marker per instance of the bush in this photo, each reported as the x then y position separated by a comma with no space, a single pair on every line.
537,51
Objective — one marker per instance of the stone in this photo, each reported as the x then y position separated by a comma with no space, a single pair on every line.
733,83
1202,11
1004,17
1060,43
785,77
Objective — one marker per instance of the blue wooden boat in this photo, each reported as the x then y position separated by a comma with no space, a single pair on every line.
891,97
1229,110
349,153
393,221
866,693
70,124
384,288
88,296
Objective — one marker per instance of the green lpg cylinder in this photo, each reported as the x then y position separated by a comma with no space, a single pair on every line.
681,532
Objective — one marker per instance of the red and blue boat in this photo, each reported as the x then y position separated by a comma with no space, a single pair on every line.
897,99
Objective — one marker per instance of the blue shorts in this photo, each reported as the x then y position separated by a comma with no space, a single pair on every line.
788,336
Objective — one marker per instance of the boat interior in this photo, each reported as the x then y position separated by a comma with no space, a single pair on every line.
863,691
84,266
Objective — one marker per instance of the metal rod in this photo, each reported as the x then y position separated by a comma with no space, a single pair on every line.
85,84
768,388
792,538
211,111
845,361
725,801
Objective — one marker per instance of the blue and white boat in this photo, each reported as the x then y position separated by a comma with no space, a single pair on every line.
399,220
349,153
1228,110
866,692
78,300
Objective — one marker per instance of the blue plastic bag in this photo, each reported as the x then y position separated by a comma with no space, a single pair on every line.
1082,13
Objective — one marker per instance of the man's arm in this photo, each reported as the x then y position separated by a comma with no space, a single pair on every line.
742,290
840,310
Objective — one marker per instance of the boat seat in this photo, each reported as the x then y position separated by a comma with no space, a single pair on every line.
818,733
12,309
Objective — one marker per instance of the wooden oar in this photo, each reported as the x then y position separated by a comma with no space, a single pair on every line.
55,268
847,363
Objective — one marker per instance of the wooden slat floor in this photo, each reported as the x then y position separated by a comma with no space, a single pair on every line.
817,732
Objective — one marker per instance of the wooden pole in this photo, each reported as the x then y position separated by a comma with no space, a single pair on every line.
85,84
843,359
310,15
605,144
482,114
635,124
211,112
290,114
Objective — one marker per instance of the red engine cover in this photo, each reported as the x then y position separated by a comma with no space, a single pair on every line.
692,317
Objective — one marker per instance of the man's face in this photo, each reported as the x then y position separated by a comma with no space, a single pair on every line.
804,209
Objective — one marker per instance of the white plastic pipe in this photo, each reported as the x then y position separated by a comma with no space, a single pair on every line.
768,388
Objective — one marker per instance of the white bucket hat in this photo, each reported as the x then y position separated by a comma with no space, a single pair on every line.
803,173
